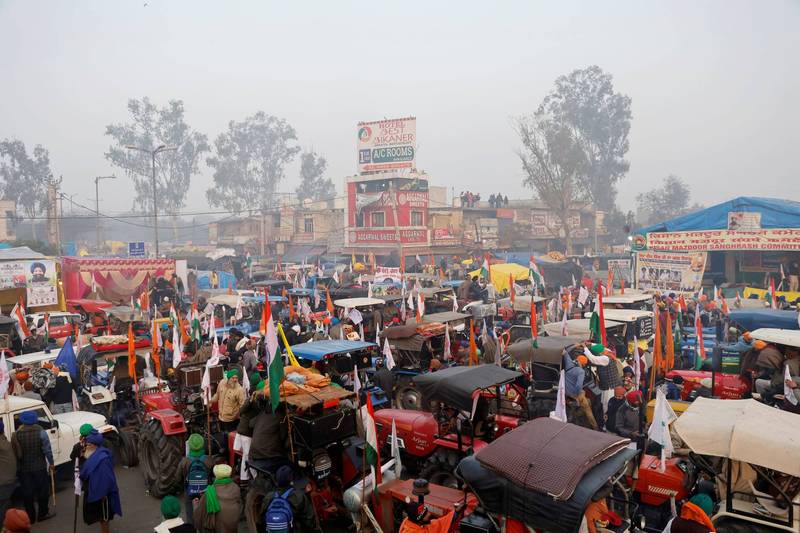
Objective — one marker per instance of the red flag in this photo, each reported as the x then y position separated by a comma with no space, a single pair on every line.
131,353
473,348
291,308
544,312
511,290
682,302
772,293
600,313
534,325
154,356
328,301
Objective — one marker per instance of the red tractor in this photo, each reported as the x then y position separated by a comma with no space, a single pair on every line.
169,418
461,424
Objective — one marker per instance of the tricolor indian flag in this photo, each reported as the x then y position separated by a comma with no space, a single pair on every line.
18,314
485,267
536,276
196,332
371,450
773,301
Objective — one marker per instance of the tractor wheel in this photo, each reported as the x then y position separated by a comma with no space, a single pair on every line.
160,455
408,397
439,469
128,453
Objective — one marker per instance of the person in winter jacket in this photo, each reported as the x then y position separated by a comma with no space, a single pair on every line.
218,510
694,516
230,398
613,407
627,422
304,519
100,493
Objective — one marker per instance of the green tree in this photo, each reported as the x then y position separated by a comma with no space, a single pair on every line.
25,177
670,200
249,161
312,184
599,120
150,127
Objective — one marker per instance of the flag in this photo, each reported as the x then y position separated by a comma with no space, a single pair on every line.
511,291
682,303
485,269
328,301
610,285
560,411
394,447
317,298
583,295
637,368
177,347
663,416
66,358
387,355
600,314
196,333
18,314
738,302
410,301
447,347
136,305
156,343
725,309
473,348
275,380
238,314
544,313
246,383
205,382
131,353
371,450
574,284
336,276
772,300
5,376
788,392
535,275
534,325
564,329
455,302
403,310
378,333
369,289
700,344
420,306
670,334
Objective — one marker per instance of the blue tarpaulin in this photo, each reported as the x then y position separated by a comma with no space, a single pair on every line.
226,279
318,350
775,213
765,318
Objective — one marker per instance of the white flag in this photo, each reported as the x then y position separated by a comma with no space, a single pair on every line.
788,392
336,276
447,347
5,376
369,289
387,355
361,331
378,334
245,382
663,416
177,349
271,345
455,302
395,451
421,304
564,328
410,301
637,364
355,316
583,295
238,315
317,298
356,382
560,412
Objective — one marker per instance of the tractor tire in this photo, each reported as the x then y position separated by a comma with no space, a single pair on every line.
128,453
408,397
440,467
160,455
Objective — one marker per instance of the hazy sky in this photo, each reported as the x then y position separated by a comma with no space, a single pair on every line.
715,84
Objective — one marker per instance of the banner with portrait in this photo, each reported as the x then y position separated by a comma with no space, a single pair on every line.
42,283
670,271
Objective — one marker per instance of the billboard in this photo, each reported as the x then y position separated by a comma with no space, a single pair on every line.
387,145
721,239
387,236
670,271
39,278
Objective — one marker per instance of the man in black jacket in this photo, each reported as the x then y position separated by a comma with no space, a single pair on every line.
60,396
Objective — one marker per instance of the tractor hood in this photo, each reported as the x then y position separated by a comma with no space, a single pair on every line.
73,421
416,430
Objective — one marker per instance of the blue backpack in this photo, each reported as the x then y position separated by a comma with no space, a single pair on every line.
197,478
279,516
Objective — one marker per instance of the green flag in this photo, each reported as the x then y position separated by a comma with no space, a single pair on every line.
275,379
594,327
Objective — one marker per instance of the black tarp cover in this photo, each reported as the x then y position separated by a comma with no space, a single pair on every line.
454,385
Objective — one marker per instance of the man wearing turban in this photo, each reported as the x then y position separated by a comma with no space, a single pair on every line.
230,399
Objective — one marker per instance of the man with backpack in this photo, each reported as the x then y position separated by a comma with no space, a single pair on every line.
287,510
196,469
220,507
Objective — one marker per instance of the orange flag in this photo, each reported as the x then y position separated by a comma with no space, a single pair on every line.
328,301
262,327
131,353
670,362
154,356
610,286
544,312
473,348
511,290
534,325
291,308
420,303
622,285
658,358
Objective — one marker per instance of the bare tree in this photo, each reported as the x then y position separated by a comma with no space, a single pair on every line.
249,161
554,164
25,177
668,201
312,183
149,128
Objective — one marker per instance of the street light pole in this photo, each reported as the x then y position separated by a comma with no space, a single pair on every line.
153,153
97,204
